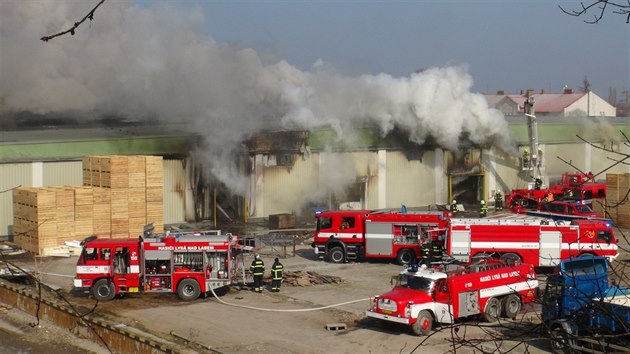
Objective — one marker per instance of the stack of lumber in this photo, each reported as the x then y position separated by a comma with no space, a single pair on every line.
120,195
48,217
617,205
135,184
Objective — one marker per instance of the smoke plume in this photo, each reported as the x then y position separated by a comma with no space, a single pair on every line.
138,62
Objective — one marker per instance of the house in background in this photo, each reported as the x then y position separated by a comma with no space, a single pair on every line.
566,104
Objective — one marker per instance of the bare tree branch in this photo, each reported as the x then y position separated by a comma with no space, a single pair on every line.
599,8
71,30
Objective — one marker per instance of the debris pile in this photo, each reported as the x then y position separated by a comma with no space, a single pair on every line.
301,278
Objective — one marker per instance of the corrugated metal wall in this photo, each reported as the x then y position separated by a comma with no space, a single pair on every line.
410,182
11,176
65,173
286,188
174,191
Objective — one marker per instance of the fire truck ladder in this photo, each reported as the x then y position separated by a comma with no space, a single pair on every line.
516,220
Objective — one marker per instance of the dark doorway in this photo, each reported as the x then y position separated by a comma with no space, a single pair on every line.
467,190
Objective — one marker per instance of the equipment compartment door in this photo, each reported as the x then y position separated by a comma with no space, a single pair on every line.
460,245
378,239
468,303
550,247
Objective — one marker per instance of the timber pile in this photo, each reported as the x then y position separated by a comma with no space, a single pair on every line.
120,195
135,184
301,278
617,205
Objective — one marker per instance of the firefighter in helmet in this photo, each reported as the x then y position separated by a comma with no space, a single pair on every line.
436,251
526,158
498,201
483,210
426,251
276,275
454,209
258,270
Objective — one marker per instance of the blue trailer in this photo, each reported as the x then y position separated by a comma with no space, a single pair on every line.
583,310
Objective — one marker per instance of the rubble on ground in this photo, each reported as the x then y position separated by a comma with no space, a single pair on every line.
302,278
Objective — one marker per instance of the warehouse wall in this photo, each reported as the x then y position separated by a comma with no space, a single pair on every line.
410,182
13,175
174,191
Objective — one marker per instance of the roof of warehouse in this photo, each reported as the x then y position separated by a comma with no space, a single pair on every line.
57,143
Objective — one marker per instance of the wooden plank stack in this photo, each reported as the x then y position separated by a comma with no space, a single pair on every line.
281,221
34,218
618,199
136,185
119,196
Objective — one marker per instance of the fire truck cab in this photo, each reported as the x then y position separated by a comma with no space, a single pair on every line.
188,264
423,297
385,234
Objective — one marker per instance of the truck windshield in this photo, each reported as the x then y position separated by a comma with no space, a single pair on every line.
415,283
581,208
324,223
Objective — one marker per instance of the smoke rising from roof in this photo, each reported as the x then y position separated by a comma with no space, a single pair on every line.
139,62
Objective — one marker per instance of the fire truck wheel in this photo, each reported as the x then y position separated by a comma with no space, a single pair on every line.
405,257
560,340
188,290
481,257
103,290
511,258
511,306
424,324
492,311
336,255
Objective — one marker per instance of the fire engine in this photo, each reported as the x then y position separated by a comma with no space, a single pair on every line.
533,240
351,235
189,264
572,186
576,187
424,296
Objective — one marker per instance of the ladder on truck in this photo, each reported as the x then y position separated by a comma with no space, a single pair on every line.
520,220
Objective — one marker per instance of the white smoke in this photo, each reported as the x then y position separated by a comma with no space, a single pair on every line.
139,62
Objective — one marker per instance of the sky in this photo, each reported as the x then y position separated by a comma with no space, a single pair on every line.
225,69
506,44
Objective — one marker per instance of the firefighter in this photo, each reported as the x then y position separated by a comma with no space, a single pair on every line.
454,209
483,211
258,270
426,251
436,251
498,201
276,275
526,158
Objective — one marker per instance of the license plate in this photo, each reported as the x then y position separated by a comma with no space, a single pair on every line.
387,312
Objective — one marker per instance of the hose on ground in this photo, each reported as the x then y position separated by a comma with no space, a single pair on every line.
286,310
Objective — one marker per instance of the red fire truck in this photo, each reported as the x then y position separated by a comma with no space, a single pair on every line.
533,240
351,235
423,296
188,264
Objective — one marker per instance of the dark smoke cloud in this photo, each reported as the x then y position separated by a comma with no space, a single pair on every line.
139,62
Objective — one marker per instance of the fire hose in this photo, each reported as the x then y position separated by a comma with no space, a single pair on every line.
286,310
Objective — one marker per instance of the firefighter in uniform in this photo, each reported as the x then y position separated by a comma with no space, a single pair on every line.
276,275
483,211
498,201
426,252
258,270
454,207
436,251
